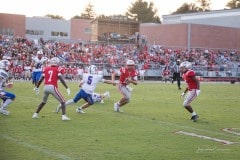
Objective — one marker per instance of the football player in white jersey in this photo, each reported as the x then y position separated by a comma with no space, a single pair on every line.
37,64
88,85
7,97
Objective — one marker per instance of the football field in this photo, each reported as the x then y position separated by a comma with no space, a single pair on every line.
153,126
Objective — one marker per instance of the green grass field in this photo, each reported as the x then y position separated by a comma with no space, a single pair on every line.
145,131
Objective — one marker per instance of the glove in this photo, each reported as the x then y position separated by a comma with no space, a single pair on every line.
182,95
37,90
198,92
68,91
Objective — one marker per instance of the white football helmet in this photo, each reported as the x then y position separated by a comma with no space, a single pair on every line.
186,64
40,52
4,65
92,69
130,62
54,61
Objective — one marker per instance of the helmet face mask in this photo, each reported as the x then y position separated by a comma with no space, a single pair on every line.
54,61
130,63
92,69
4,65
184,66
189,65
40,52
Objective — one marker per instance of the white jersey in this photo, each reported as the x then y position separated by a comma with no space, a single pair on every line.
90,82
3,78
38,63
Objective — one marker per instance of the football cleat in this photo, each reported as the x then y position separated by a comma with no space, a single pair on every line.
117,108
35,115
4,112
65,118
194,118
79,110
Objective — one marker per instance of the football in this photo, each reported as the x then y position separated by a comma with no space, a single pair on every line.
9,85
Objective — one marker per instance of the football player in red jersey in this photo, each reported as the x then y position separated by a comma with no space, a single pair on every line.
128,75
192,90
51,74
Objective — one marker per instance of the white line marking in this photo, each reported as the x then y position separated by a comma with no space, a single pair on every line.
166,123
230,130
206,137
37,148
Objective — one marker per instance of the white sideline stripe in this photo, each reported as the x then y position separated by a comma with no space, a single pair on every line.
37,148
167,123
230,130
206,137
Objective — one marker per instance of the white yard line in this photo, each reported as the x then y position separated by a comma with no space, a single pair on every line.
170,124
230,130
206,137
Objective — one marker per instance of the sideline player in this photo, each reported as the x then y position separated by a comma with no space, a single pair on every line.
51,75
128,74
192,90
88,85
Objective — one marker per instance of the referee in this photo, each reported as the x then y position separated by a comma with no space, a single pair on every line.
176,74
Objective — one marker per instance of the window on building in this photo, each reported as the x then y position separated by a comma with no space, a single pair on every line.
59,34
7,31
87,30
34,32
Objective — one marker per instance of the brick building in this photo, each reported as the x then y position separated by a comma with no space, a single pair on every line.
214,29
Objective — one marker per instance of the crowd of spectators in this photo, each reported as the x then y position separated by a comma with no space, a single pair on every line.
21,50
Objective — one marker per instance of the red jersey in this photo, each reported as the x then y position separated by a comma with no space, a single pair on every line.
51,74
126,74
188,79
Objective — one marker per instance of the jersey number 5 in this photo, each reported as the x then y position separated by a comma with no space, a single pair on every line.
90,80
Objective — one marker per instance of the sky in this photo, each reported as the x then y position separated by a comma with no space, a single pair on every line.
71,8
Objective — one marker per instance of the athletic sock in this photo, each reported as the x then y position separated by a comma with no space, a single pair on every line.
194,113
6,103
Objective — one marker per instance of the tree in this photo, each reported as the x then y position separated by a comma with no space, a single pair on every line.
187,8
204,5
233,4
198,6
88,13
54,16
143,12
